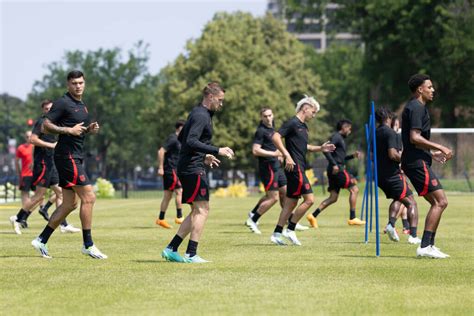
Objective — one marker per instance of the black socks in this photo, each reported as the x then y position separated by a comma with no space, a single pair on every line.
175,243
192,248
179,213
392,221
22,215
87,237
316,213
162,216
426,239
278,229
45,234
353,214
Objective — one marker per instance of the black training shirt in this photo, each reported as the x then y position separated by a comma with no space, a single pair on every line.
68,112
338,156
172,147
386,139
263,137
415,116
295,133
41,153
195,138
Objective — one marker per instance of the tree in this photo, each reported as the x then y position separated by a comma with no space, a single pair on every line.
257,62
14,117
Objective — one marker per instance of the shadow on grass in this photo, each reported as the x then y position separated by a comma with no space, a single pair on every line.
375,257
32,256
235,232
144,227
151,261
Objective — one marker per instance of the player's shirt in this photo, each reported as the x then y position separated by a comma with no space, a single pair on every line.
24,152
172,147
415,116
263,137
399,142
386,139
338,156
195,138
68,112
42,153
295,133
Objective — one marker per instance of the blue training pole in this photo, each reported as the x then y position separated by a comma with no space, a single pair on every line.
376,181
371,169
367,183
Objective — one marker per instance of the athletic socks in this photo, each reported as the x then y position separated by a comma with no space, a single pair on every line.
406,225
412,231
255,208
392,221
291,226
192,248
432,242
47,206
316,213
426,239
22,215
175,243
255,217
45,234
87,237
278,229
353,213
179,212
162,216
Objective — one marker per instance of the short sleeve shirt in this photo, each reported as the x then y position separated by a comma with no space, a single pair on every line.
263,137
24,152
295,133
172,147
42,152
386,139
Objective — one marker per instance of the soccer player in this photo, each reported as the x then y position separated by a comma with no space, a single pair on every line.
69,117
44,171
196,152
338,176
417,159
391,179
295,132
167,163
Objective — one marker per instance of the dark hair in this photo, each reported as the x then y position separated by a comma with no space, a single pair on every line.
74,74
45,102
341,123
265,108
212,88
417,80
179,123
382,114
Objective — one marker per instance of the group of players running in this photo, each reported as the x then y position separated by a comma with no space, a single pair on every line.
188,153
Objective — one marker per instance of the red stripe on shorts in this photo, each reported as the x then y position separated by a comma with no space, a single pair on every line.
267,187
43,170
198,184
427,180
300,181
404,192
74,179
348,179
175,180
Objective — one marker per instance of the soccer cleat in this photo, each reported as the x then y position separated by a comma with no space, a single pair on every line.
291,235
250,216
173,256
69,229
179,220
284,233
355,221
194,259
42,248
406,231
414,240
93,252
253,226
43,212
430,252
439,250
300,227
392,233
15,225
163,223
312,220
24,224
276,239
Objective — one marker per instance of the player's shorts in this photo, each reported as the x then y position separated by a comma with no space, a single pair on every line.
272,178
341,180
26,184
423,179
45,174
171,181
395,187
71,173
298,183
195,187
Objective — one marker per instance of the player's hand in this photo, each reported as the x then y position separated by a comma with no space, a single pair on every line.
161,172
357,154
77,129
226,152
93,128
211,161
448,153
335,169
327,147
53,145
289,164
439,156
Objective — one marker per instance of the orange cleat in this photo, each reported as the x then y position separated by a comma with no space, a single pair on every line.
312,220
179,220
355,221
163,223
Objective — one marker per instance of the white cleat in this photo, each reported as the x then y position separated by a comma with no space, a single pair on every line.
284,233
392,233
250,216
430,252
291,235
93,252
439,250
253,226
300,227
16,226
276,239
69,229
414,240
42,248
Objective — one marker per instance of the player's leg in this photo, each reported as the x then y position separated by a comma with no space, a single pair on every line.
312,218
412,214
288,207
353,194
270,200
439,203
179,205
19,220
167,196
308,201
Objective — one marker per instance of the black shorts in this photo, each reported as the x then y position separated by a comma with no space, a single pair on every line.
26,184
340,180
423,179
71,173
45,174
272,178
195,187
395,187
171,181
298,183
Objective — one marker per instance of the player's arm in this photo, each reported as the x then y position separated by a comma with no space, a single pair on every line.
289,163
195,131
52,128
259,152
161,159
419,141
327,147
37,142
394,154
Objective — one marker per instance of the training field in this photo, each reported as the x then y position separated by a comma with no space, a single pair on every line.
334,272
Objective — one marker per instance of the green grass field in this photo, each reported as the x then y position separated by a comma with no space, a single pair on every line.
334,272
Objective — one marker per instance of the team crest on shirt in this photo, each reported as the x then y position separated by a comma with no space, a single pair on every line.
275,184
203,192
434,182
43,181
306,186
82,178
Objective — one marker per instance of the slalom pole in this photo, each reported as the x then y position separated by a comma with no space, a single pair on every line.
376,182
371,193
367,183
365,189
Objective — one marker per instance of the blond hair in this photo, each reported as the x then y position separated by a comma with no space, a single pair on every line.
307,100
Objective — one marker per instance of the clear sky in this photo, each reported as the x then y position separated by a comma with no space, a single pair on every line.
34,34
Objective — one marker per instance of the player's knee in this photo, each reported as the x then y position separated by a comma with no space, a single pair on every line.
354,189
309,201
88,198
443,203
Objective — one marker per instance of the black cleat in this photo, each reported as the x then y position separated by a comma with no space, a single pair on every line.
44,213
24,224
